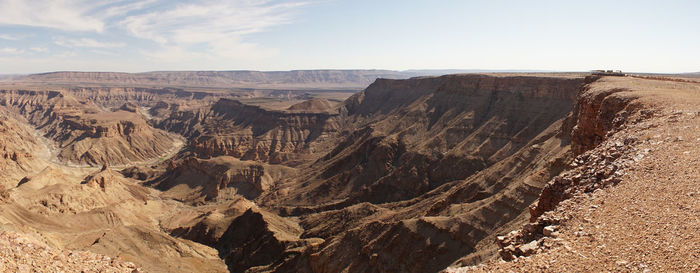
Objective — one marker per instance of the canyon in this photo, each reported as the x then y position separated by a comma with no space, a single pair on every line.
347,171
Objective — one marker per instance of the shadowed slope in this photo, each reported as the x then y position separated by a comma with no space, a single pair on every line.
429,170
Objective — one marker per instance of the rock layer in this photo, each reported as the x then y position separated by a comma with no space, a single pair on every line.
389,197
19,150
249,132
221,178
408,135
85,134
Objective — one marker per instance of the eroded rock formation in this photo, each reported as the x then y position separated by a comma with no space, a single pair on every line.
249,132
85,134
220,178
406,176
19,150
390,189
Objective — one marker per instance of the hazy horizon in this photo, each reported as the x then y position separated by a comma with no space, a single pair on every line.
448,70
157,35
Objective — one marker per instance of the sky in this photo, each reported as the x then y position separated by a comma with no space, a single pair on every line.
156,35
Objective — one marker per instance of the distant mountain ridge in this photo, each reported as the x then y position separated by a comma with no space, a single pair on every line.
293,79
5,77
300,79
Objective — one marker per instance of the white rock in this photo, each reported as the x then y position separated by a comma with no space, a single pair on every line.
529,248
549,230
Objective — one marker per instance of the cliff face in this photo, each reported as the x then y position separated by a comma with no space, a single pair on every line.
409,134
600,112
117,138
258,239
116,96
252,133
19,150
86,134
630,187
219,178
426,172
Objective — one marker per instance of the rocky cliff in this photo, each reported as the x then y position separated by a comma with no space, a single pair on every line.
249,132
425,174
19,151
219,178
601,111
116,96
409,134
631,186
117,138
86,134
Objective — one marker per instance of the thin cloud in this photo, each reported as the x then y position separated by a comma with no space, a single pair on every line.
39,49
184,22
103,52
181,32
67,15
87,42
64,15
11,51
11,37
218,26
119,9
